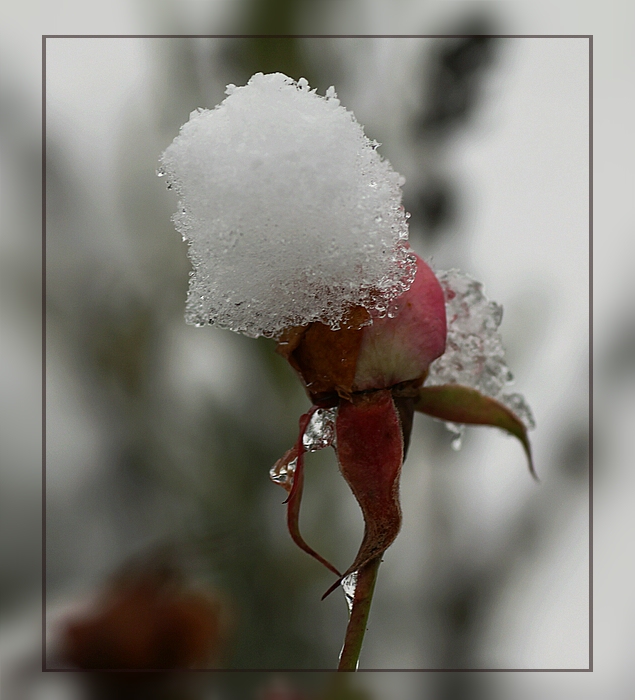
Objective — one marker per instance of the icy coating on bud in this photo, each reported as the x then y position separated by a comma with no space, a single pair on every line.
474,355
291,214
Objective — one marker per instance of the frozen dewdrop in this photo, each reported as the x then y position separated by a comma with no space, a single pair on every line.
276,201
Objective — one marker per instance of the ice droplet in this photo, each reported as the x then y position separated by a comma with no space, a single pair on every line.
282,472
457,430
320,431
349,584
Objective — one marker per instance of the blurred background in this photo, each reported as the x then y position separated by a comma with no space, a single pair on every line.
160,435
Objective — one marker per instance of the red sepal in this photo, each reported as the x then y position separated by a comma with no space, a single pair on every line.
462,404
370,454
295,487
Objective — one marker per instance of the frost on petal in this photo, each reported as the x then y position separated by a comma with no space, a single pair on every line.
290,213
474,355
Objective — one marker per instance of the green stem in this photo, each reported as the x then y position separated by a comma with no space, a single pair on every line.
366,578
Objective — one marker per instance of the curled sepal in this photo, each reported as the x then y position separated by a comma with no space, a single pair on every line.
370,454
289,473
462,404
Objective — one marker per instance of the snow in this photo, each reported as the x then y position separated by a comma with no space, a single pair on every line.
291,214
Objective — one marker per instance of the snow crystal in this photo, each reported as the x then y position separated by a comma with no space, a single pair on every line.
290,213
474,353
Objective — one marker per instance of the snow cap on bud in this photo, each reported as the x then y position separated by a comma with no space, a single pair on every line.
291,214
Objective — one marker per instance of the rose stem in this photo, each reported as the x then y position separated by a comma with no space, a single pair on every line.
366,578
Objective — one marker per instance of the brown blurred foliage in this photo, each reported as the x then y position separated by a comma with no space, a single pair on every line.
148,618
